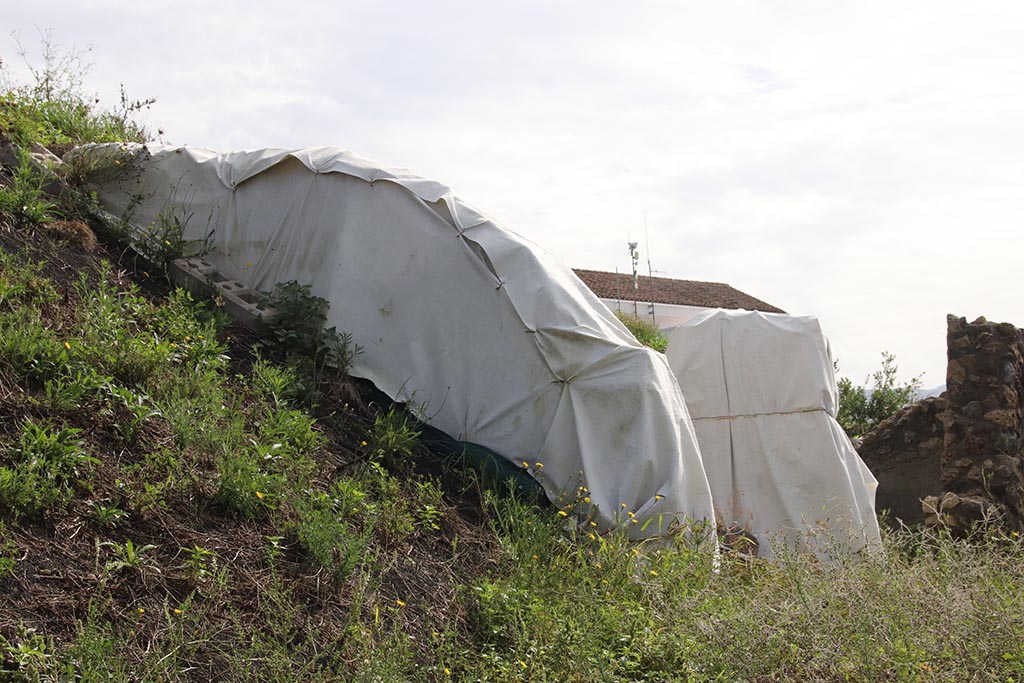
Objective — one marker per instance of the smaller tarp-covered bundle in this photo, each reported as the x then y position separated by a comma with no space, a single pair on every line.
762,394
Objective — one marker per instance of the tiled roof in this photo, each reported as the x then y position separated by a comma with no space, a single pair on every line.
664,290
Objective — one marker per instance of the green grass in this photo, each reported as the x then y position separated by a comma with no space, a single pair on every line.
235,535
645,331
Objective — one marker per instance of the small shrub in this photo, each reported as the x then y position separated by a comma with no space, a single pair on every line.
861,409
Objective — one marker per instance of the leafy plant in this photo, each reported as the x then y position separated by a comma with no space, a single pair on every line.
330,537
201,563
861,409
72,388
108,516
297,329
127,555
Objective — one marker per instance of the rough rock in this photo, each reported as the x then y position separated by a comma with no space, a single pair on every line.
958,459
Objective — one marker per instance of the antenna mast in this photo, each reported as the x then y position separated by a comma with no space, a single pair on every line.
634,256
650,271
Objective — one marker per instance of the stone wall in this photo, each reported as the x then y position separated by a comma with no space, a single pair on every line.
905,455
959,458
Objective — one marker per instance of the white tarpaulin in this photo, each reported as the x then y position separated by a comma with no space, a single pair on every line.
762,395
499,343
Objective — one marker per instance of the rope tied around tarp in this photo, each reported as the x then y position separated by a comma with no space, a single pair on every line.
778,412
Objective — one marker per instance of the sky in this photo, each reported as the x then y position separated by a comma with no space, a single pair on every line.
862,162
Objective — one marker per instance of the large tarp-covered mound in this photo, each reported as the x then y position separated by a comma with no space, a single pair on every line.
762,395
498,343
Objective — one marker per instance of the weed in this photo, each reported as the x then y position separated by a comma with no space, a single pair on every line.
9,554
201,563
135,411
392,438
22,203
107,515
163,240
73,388
127,555
28,652
245,486
43,468
55,110
645,331
332,540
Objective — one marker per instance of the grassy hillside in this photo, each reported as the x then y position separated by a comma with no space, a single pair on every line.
184,500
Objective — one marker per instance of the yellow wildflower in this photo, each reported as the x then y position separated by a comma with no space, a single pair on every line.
540,465
522,663
362,443
67,346
260,494
563,513
447,671
654,573
586,499
177,611
526,464
622,505
399,602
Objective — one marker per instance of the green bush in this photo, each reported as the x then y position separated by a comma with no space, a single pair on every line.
861,409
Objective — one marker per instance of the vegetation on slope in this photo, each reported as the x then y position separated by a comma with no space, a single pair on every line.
183,501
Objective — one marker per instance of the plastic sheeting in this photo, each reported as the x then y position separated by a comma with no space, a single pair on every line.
497,342
763,398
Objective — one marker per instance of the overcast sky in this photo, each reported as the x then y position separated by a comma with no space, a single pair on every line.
859,161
